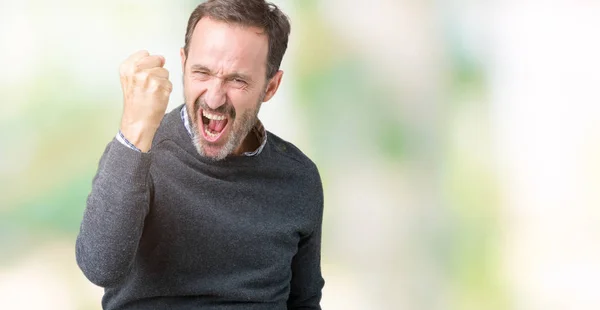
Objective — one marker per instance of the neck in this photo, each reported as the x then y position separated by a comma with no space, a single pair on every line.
249,144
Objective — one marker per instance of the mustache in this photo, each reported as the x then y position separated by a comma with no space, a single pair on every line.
226,108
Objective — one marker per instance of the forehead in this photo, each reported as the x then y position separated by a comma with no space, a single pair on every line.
225,46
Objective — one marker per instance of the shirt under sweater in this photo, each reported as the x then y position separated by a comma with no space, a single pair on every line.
170,229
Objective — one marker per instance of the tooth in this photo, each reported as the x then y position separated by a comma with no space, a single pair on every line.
213,116
209,132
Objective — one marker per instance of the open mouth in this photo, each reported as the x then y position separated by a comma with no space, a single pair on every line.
213,125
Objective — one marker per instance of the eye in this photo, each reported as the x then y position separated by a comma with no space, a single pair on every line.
200,74
239,82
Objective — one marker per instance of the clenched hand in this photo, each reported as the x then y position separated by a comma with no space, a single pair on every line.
146,90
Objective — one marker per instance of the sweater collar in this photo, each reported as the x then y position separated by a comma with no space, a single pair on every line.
258,130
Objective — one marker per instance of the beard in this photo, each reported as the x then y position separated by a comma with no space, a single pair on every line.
240,127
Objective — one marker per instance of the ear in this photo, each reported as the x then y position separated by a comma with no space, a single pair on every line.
183,58
273,85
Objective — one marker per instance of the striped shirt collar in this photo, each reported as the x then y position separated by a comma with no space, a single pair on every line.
258,130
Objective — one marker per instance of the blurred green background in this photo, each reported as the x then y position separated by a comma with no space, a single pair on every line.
458,142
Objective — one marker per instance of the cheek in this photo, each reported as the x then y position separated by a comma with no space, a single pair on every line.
192,94
243,101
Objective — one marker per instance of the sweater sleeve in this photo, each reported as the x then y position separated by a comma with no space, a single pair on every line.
307,281
121,138
113,220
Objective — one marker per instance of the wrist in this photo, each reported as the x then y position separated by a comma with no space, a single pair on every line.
140,135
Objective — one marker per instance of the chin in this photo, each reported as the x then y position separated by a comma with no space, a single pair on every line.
209,150
212,153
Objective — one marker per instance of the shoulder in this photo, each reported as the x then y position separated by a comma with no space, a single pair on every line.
289,151
295,161
304,172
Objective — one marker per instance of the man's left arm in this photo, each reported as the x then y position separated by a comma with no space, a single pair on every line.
307,281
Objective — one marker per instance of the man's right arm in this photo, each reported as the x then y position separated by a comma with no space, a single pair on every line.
114,217
113,221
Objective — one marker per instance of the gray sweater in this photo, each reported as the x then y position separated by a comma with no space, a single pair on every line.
170,229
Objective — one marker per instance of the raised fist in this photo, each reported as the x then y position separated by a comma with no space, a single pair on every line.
146,90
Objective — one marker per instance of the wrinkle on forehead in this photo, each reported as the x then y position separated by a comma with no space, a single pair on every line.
225,47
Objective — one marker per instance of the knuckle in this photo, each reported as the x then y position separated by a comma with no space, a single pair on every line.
139,55
154,85
142,75
164,72
125,69
165,88
137,66
168,87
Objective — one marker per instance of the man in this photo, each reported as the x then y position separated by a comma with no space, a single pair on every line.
202,208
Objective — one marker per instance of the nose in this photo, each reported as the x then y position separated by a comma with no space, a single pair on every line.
215,94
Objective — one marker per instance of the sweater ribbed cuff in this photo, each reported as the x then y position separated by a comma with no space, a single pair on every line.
130,166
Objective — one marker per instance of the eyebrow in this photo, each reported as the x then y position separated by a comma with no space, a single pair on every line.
233,75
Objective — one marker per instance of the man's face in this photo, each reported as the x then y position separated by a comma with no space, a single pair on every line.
224,84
